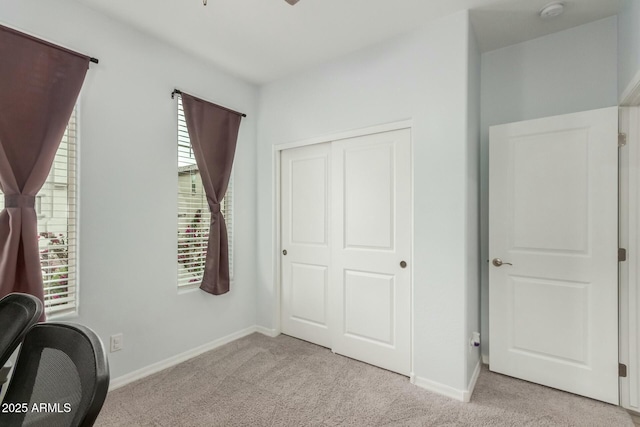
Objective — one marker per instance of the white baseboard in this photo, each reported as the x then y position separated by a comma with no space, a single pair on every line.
485,359
472,383
179,358
266,331
445,390
439,388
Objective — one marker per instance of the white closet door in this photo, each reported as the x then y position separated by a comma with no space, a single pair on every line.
305,205
370,284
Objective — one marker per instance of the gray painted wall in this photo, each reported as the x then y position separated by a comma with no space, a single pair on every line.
128,186
423,76
473,198
628,43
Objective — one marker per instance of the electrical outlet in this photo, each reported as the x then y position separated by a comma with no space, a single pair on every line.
475,339
117,342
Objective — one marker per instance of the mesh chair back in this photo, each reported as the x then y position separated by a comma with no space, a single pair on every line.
61,374
18,312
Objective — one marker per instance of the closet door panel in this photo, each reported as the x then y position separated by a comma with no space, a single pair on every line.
370,287
305,204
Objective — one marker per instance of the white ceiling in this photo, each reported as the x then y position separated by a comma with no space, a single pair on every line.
262,40
505,22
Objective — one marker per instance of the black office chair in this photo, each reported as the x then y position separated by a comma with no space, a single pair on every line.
18,312
61,378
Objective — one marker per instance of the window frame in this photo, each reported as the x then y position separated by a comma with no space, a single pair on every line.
54,246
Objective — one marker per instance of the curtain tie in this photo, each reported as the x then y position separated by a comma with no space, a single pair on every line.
19,201
214,208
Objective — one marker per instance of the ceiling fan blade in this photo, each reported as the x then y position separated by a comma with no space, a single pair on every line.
292,2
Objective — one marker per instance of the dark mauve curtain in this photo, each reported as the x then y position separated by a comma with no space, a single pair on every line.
39,85
213,131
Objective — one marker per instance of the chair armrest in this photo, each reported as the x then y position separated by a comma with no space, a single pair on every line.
4,372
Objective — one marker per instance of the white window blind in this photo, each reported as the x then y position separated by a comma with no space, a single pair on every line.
193,212
56,212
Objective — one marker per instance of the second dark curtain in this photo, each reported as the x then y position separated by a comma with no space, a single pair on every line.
213,131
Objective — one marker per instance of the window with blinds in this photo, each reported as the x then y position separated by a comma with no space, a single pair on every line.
56,213
193,212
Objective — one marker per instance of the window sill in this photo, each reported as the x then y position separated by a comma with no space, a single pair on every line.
187,289
63,316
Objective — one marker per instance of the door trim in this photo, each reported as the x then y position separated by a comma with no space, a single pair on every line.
629,199
629,272
352,133
276,200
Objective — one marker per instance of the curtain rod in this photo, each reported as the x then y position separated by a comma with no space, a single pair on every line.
179,92
47,43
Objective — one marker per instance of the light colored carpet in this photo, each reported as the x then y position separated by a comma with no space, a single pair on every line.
261,381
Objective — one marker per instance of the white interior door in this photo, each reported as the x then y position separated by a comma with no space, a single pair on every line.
370,292
305,204
553,224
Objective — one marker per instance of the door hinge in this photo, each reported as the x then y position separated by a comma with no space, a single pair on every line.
622,370
622,254
622,139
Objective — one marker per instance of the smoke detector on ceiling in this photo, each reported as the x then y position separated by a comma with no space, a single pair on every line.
552,10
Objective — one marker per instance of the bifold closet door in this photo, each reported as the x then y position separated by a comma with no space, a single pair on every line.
305,204
370,285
